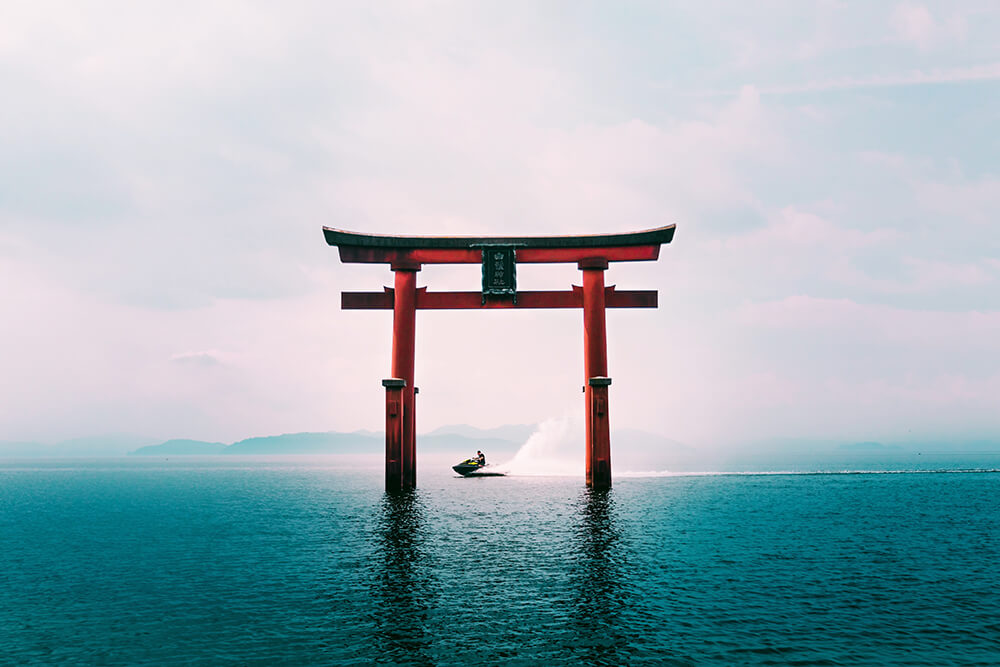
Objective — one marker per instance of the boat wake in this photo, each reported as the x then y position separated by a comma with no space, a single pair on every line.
773,473
551,451
555,450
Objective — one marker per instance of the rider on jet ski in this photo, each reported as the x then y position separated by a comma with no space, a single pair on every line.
471,465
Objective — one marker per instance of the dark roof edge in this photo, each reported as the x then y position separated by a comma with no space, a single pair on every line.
339,237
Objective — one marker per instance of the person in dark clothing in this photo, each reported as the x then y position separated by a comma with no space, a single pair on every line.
480,458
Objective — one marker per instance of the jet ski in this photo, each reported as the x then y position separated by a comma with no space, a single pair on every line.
472,468
467,467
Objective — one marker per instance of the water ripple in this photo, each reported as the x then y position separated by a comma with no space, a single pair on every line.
256,563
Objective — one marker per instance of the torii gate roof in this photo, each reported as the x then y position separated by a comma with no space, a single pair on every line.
632,246
340,237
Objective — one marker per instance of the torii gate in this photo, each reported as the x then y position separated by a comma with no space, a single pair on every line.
499,257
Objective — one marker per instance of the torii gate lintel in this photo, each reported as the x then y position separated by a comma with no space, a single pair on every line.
499,257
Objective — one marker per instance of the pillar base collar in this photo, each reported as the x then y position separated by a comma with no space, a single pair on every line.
598,381
393,383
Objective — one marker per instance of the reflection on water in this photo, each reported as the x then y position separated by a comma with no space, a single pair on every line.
600,597
313,566
403,593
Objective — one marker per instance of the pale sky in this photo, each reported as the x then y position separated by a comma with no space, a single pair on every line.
832,168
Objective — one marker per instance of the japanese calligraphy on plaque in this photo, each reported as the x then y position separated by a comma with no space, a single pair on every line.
499,271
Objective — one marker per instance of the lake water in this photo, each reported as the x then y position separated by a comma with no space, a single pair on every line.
226,561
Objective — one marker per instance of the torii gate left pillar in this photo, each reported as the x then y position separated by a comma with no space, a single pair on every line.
404,327
499,257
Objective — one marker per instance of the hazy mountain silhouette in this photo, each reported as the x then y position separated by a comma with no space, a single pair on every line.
91,446
181,447
461,439
632,449
330,442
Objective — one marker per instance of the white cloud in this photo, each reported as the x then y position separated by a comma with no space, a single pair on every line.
164,181
887,325
913,77
941,189
878,364
976,201
939,273
794,228
794,249
915,24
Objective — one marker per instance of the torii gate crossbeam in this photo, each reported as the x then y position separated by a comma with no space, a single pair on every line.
499,257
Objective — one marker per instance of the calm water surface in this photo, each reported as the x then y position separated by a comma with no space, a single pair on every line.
256,562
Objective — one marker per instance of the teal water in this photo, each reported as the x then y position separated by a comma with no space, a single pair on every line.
257,562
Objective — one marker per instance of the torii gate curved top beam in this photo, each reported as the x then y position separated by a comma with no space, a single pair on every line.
499,256
381,249
657,236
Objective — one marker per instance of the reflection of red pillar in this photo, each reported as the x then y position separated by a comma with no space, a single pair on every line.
595,344
412,481
393,433
404,322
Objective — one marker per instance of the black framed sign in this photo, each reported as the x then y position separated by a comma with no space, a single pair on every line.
499,271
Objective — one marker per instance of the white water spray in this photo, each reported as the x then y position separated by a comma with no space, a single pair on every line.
555,449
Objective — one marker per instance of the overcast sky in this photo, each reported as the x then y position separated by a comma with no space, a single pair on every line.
832,168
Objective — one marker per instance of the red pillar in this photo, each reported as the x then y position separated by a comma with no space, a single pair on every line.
394,433
404,324
595,344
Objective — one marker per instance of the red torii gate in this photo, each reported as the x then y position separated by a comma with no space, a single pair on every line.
499,257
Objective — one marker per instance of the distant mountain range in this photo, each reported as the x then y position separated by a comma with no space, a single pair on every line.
445,439
97,446
635,450
456,437
182,447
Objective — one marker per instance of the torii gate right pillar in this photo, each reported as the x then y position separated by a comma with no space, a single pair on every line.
595,344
